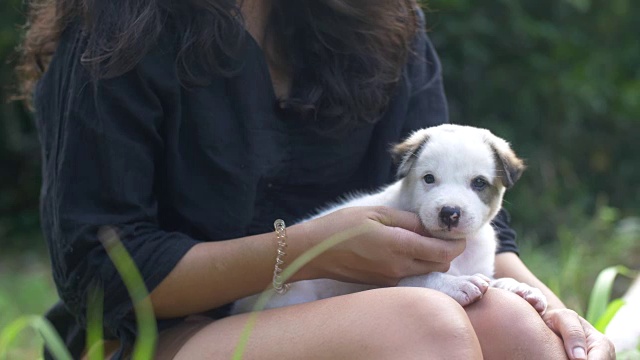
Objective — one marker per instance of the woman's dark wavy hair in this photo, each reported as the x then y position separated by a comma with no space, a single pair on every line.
351,51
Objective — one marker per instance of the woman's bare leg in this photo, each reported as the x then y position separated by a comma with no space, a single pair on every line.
509,328
390,323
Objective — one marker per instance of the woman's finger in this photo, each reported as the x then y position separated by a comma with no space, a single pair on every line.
426,249
599,346
566,323
397,218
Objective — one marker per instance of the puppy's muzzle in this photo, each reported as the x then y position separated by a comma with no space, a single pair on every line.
450,216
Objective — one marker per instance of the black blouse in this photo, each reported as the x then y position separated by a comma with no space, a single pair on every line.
170,167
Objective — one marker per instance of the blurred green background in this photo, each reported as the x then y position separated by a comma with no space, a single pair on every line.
559,78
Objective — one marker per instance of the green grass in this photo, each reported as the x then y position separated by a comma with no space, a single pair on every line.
26,287
571,264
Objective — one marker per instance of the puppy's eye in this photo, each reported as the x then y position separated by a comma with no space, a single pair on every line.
429,179
479,183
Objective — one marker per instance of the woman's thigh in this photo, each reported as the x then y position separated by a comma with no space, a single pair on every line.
389,323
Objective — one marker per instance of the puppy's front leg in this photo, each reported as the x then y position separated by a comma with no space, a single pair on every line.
532,295
465,289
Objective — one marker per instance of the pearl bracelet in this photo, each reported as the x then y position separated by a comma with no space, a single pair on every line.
281,235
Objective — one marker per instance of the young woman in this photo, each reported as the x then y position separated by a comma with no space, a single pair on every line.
190,126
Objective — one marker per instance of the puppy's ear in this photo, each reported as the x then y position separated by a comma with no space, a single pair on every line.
406,153
509,167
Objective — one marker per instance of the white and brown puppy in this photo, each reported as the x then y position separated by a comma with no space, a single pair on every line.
454,178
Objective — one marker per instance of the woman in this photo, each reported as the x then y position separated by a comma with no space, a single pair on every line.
190,126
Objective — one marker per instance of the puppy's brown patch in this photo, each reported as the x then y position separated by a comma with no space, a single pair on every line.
406,153
509,167
491,194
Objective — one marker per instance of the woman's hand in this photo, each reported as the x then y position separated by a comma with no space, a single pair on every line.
581,339
392,245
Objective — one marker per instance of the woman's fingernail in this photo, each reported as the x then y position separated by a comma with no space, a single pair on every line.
579,353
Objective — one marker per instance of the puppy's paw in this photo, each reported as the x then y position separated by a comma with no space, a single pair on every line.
466,289
532,295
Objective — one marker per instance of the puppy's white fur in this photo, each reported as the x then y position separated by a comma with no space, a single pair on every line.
456,157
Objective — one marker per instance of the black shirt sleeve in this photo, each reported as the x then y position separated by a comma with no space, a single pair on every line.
102,146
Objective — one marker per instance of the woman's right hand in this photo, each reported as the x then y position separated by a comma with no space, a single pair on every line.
392,245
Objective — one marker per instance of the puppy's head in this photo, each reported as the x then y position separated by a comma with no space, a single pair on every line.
454,177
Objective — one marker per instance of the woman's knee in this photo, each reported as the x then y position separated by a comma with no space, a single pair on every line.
424,321
507,324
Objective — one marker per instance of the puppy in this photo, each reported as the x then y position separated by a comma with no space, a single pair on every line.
454,178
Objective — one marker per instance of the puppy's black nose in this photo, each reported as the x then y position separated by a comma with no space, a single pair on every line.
450,216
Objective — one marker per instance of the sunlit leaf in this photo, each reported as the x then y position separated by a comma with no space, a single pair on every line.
609,313
601,292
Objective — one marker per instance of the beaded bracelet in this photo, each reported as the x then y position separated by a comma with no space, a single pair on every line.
281,235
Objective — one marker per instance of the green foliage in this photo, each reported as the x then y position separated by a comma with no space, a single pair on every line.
570,265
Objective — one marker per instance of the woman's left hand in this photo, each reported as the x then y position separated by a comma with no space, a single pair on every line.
581,339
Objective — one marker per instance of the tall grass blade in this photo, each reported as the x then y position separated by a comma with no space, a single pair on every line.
611,310
144,347
601,292
52,340
95,335
296,265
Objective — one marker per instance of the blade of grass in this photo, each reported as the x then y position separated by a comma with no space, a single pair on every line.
601,292
296,265
52,340
611,310
95,335
10,333
147,335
